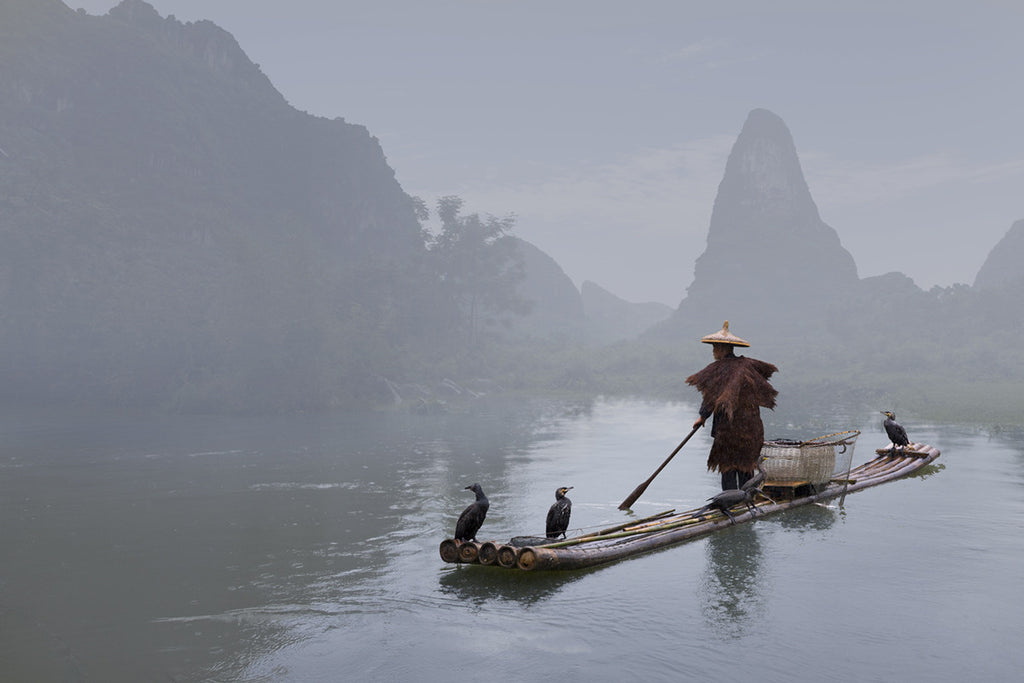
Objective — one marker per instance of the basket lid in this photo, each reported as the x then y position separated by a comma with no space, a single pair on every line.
724,336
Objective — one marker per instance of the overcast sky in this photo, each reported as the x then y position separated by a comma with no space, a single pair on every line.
605,126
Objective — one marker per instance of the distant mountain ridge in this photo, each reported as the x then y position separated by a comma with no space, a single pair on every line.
555,307
172,232
613,319
782,278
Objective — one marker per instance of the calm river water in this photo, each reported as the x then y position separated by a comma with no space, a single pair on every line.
306,549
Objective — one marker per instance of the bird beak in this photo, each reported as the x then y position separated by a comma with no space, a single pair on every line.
568,488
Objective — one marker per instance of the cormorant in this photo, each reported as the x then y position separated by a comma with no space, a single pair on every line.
558,514
473,516
729,498
754,483
897,434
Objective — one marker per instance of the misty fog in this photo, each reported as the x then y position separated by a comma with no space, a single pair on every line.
279,281
609,125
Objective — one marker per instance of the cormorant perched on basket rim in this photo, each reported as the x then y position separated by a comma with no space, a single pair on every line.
895,431
558,513
472,518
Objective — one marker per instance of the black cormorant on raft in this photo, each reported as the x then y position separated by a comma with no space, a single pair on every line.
558,514
638,536
730,498
756,481
472,518
895,431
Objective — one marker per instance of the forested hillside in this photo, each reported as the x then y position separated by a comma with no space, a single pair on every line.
173,231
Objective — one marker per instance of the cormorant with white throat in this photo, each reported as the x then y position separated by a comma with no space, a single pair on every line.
558,515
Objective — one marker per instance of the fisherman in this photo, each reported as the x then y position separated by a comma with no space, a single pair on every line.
734,389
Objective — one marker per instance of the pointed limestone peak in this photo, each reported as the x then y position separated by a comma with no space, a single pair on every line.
763,172
1002,267
768,251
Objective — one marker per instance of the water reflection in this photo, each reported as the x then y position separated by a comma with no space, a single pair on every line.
814,517
477,585
729,593
927,471
280,550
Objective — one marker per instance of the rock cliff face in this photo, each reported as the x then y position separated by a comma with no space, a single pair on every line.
770,261
172,231
1005,263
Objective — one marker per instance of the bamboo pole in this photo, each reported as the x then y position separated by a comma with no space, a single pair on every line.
663,529
683,520
468,552
532,559
642,520
603,533
507,556
488,553
449,550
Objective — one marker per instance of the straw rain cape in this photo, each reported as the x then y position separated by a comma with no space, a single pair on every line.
735,389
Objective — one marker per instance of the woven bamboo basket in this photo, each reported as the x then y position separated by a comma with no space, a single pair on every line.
814,461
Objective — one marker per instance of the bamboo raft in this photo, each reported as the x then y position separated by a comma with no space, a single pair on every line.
669,528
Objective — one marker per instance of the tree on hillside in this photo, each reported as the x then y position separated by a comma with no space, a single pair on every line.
477,271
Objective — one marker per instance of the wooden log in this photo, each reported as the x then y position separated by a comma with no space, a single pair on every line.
664,529
488,553
669,523
918,450
533,559
507,556
527,559
620,527
449,550
606,533
468,552
543,558
893,464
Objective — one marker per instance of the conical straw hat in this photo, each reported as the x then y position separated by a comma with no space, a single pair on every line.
724,336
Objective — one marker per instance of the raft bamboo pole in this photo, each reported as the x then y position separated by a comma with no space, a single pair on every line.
649,533
648,527
507,556
634,522
469,551
881,466
606,533
536,558
891,464
918,449
488,553
628,530
449,550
